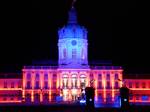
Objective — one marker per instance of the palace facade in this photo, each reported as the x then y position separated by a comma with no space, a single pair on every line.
67,81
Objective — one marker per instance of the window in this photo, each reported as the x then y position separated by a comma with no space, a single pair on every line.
64,53
116,85
137,85
46,77
83,57
100,85
91,76
37,85
116,76
54,84
54,76
137,97
5,98
11,98
12,84
131,97
100,77
29,76
108,77
37,77
74,53
19,84
28,85
46,85
143,85
144,98
130,84
5,84
108,85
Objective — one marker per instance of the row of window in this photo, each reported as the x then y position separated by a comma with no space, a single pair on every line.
12,84
107,76
37,85
108,85
37,76
140,97
137,84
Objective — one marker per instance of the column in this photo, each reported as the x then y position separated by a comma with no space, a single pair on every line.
49,85
41,85
33,83
112,85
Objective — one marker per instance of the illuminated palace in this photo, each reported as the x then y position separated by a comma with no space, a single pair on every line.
67,81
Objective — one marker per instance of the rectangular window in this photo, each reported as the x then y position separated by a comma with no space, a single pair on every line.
29,76
12,84
28,85
131,97
99,77
116,76
108,85
137,97
137,85
54,75
100,85
130,84
74,53
37,77
46,77
46,85
116,85
108,77
37,85
91,76
5,84
54,85
19,84
143,85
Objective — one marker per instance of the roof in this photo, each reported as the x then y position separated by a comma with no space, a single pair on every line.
10,75
136,76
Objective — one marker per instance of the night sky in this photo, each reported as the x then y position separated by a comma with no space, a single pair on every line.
117,31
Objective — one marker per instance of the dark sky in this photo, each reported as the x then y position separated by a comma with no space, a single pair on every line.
117,31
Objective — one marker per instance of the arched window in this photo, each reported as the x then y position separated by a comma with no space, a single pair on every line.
64,53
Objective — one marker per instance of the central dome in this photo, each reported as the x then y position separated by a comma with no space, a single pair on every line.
72,29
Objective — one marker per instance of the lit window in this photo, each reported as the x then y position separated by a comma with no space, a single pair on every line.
74,53
5,84
12,84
